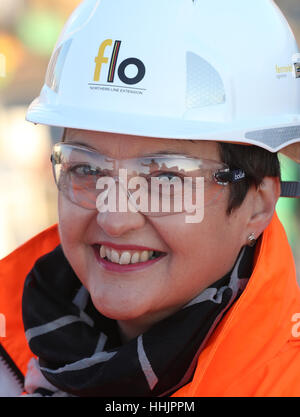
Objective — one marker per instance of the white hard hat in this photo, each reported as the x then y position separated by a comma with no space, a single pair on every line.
214,70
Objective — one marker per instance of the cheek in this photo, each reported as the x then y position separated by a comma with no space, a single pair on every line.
73,224
69,226
190,238
202,252
73,221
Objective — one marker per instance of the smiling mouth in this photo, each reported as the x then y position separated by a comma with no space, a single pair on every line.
127,256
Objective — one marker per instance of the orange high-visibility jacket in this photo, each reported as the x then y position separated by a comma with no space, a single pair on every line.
254,351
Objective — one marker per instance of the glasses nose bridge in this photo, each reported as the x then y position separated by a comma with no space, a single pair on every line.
121,177
123,170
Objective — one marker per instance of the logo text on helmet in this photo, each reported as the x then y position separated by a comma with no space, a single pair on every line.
101,59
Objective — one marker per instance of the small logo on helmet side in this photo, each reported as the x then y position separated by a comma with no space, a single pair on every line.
297,70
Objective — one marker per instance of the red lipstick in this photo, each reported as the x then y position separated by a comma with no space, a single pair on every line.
114,267
125,247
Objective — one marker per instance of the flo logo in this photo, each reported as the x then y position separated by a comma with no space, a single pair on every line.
112,60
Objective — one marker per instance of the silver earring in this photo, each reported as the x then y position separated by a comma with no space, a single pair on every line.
251,240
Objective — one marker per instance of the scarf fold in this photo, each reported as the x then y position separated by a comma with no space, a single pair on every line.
80,351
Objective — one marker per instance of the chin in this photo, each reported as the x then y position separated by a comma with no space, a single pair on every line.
118,310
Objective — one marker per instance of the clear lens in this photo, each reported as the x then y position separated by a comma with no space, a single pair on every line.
155,185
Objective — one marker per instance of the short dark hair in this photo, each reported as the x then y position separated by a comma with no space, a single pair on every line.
257,164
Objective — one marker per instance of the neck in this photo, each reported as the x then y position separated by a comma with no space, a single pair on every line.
130,329
129,332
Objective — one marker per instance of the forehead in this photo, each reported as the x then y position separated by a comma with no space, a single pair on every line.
126,146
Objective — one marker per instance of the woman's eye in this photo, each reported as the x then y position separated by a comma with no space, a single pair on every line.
85,170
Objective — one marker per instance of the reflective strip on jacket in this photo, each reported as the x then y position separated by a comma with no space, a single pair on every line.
255,350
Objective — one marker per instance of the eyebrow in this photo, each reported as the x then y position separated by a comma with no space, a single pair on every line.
166,152
80,144
158,153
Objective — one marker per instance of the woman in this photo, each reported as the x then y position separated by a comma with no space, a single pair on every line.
144,291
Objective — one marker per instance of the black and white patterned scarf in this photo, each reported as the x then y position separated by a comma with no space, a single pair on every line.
80,351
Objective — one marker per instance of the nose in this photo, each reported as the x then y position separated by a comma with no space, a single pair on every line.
115,221
116,224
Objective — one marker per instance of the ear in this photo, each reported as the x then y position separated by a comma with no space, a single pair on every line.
263,205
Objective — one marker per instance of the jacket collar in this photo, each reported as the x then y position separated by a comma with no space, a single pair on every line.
13,271
259,324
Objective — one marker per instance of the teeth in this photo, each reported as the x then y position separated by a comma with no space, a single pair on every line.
102,251
107,252
135,258
144,256
125,257
114,257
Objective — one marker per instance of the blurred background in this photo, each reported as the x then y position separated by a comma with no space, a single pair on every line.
28,32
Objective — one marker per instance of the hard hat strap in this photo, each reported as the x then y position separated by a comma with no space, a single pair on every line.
290,189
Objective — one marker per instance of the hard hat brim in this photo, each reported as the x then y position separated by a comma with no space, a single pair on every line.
169,128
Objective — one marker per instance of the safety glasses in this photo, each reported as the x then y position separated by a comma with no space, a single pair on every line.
155,185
